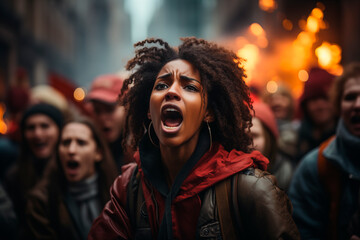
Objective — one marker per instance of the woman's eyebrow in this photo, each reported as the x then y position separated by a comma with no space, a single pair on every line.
189,78
164,75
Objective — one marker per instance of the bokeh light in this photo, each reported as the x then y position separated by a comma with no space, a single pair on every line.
256,29
271,86
287,24
303,75
267,5
79,94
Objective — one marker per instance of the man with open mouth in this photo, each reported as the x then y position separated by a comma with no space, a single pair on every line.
110,116
325,187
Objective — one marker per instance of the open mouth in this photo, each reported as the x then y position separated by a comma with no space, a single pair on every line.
72,164
171,116
355,119
106,129
40,145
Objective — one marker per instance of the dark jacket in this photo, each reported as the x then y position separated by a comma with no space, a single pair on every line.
45,219
266,207
309,196
53,212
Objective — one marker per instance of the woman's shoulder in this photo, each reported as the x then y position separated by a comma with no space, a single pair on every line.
120,184
257,180
264,204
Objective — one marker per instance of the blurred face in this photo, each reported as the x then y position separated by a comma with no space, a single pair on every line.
320,110
78,152
258,135
280,106
176,107
41,134
111,119
350,106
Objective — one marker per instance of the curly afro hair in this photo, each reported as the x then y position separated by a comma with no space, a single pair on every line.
222,77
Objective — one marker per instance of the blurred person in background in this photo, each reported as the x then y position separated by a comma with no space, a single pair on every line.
16,102
8,219
65,202
326,185
195,105
318,122
48,94
109,114
40,128
282,104
265,133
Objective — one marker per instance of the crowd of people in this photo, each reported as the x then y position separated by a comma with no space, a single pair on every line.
179,147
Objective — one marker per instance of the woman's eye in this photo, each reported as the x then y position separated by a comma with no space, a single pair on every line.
65,142
81,142
160,86
44,126
350,97
191,88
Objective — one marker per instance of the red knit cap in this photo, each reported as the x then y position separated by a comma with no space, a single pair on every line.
266,116
317,85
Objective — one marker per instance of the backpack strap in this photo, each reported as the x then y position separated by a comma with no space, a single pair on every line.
131,195
226,201
331,177
222,191
137,208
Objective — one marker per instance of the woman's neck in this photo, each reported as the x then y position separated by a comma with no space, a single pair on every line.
174,158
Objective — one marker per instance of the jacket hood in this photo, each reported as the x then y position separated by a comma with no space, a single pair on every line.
218,165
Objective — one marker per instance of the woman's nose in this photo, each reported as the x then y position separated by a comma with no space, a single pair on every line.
72,147
357,102
173,93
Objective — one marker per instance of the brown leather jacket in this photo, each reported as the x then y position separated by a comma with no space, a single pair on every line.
264,211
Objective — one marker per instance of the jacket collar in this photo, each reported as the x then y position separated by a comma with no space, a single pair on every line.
345,150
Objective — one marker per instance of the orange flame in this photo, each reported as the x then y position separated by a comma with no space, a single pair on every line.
3,126
250,53
291,57
329,56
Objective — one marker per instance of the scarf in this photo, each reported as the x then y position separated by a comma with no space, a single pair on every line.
85,194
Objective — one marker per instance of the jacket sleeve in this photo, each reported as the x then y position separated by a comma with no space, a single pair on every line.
309,199
113,222
265,209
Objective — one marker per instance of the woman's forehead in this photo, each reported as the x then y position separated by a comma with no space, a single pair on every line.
180,66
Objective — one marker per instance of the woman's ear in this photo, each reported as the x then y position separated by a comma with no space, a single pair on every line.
149,115
209,116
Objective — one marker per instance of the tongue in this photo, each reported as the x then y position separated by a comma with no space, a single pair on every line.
172,122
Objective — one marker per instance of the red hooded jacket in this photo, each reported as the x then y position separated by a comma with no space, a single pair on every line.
211,168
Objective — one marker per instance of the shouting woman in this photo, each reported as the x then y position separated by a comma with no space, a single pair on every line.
64,204
196,176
